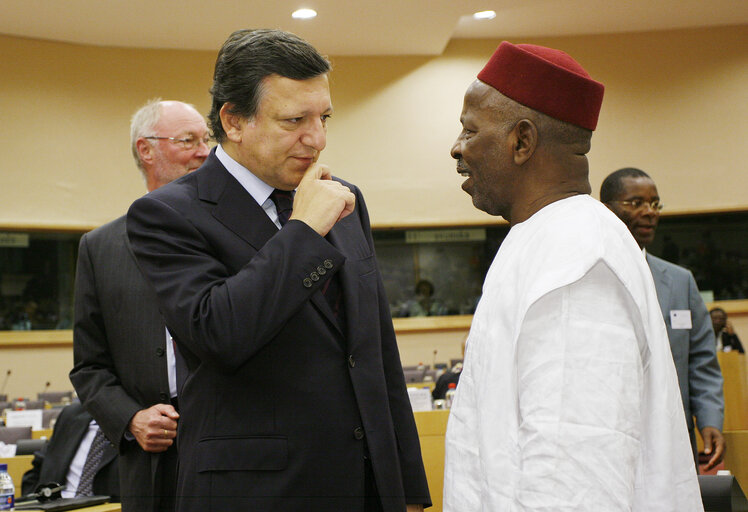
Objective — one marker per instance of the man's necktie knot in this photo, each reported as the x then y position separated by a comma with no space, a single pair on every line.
283,200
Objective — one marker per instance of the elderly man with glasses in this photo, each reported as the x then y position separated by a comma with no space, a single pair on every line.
125,365
632,195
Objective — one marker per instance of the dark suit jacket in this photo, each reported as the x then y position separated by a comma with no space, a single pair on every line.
732,341
51,464
694,349
119,342
279,405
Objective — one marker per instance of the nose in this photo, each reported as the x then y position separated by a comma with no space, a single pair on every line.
456,150
649,209
316,135
202,150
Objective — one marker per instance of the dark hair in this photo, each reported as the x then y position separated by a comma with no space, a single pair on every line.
612,185
246,58
718,309
427,283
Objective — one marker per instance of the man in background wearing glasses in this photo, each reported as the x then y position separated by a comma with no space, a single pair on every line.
632,195
125,366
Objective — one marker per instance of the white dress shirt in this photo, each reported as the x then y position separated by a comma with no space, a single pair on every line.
257,188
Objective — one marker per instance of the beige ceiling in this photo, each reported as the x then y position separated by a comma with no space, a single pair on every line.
350,27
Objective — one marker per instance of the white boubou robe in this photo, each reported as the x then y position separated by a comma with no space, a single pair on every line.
568,400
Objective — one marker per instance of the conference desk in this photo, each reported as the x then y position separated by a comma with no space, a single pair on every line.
432,427
19,464
104,507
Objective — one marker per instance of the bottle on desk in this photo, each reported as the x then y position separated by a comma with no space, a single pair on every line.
449,396
7,489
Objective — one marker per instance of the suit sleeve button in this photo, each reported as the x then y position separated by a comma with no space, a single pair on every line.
307,282
314,276
327,264
358,433
321,270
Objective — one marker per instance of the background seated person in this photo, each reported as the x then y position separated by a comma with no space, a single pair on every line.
65,458
726,338
444,380
425,304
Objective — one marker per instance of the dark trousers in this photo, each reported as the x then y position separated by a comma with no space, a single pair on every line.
166,481
371,502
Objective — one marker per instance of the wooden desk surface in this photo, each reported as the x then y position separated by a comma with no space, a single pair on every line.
105,507
43,433
17,466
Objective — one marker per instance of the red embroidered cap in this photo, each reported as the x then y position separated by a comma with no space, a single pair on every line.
546,80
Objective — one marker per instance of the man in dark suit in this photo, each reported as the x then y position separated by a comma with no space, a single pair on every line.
726,338
632,195
63,458
124,367
295,397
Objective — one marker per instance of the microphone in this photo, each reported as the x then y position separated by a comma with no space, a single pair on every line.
5,382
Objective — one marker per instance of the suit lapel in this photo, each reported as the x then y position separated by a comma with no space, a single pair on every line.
235,208
662,284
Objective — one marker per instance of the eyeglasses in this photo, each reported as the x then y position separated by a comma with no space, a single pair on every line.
190,142
637,204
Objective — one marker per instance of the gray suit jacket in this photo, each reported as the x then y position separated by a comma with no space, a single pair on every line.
694,349
119,344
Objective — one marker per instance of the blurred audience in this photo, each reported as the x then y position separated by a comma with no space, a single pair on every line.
726,338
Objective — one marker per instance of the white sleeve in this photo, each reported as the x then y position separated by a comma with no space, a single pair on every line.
580,382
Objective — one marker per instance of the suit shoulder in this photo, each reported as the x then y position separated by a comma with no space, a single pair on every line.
110,229
664,265
348,184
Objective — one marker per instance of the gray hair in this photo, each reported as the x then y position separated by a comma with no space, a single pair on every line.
141,125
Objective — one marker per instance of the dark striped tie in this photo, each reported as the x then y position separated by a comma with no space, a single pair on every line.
95,453
283,200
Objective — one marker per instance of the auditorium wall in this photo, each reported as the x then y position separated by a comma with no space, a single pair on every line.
675,105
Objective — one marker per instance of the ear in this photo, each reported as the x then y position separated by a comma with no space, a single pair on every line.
524,138
233,124
145,150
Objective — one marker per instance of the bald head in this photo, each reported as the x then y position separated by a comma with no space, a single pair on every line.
169,139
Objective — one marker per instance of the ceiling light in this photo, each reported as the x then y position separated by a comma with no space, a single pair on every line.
304,14
484,15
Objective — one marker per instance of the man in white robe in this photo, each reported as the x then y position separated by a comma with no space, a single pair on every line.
568,400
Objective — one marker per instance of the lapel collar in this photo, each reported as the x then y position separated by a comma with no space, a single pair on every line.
662,283
234,207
